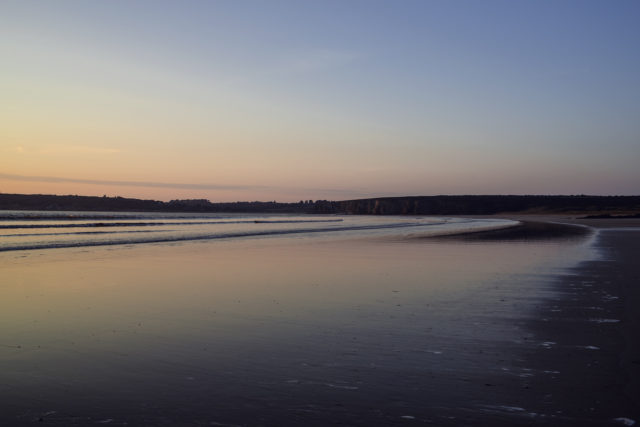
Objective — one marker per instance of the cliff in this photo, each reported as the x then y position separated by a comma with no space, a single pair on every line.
485,205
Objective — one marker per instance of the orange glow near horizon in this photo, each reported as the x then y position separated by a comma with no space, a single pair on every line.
291,112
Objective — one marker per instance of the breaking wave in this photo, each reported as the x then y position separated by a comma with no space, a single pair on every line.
50,230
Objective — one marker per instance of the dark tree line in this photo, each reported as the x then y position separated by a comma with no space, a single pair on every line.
422,205
90,203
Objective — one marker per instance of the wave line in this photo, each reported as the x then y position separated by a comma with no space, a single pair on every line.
205,237
155,224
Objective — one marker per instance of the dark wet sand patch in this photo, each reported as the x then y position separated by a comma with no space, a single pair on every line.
525,231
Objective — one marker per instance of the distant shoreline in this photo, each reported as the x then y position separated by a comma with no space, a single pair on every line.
596,207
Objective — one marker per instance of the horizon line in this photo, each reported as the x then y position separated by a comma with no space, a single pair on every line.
172,185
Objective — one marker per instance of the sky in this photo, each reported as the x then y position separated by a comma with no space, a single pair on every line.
289,100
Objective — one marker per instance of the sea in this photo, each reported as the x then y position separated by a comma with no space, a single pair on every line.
174,319
31,230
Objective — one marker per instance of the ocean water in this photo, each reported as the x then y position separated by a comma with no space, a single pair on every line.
268,320
29,230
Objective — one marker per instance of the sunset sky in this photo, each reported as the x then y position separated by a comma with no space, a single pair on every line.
290,100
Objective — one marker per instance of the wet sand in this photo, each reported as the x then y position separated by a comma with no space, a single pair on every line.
487,330
591,329
587,334
526,230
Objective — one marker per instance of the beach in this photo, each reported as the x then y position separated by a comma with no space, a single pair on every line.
588,330
532,326
306,213
591,332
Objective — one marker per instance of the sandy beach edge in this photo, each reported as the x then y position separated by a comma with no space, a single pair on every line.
591,331
591,334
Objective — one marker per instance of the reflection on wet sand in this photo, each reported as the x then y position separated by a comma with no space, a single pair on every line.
257,331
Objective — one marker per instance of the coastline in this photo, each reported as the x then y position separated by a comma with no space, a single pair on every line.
544,226
352,333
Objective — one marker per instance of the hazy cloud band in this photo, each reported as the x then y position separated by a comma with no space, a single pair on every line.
182,186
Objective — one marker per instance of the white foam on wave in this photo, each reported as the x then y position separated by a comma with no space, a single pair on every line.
625,421
344,387
597,320
155,230
505,408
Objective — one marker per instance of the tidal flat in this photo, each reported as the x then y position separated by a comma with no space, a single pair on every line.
291,330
